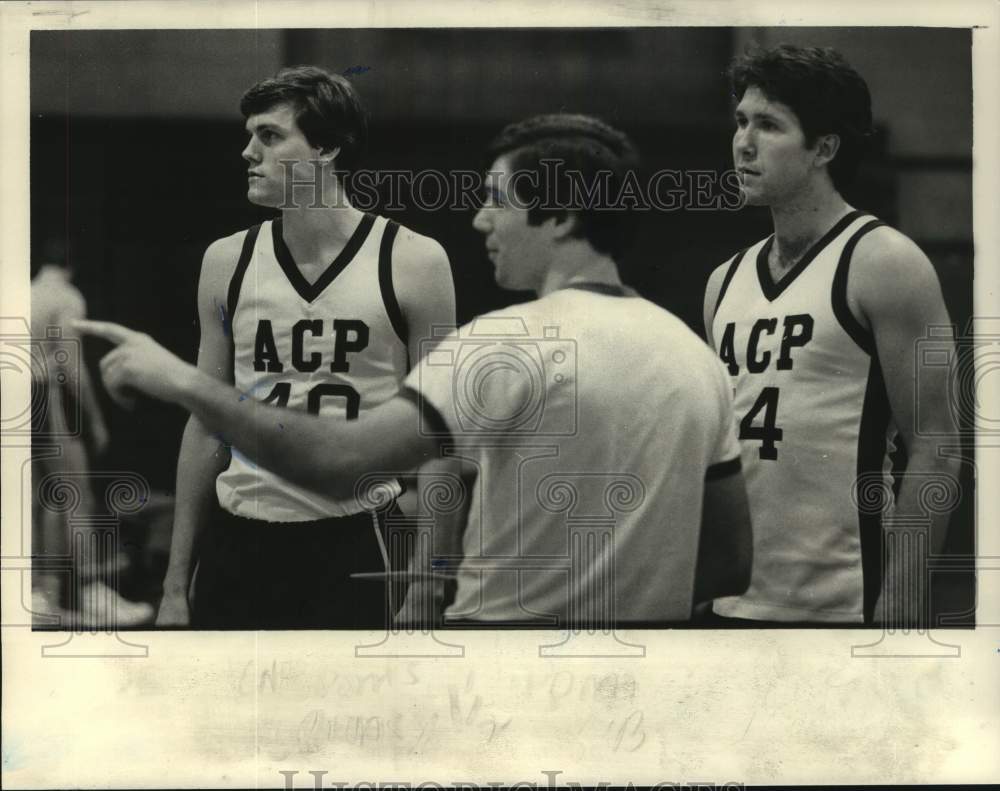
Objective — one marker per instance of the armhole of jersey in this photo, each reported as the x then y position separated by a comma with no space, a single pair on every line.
236,282
876,415
861,336
728,279
385,284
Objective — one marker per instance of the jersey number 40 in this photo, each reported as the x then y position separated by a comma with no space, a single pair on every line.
767,433
282,390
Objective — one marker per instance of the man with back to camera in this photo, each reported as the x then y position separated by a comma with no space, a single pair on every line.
664,421
318,311
818,325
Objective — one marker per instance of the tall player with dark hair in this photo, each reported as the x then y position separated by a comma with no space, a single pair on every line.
614,407
319,311
818,326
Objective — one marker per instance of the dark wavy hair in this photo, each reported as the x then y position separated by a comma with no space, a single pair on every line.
327,109
826,94
584,147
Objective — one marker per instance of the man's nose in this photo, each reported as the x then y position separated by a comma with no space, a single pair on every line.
250,152
743,143
481,221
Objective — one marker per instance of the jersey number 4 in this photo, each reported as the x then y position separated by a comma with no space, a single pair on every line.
767,433
282,390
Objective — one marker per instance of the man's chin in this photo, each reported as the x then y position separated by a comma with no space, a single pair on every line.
753,198
260,200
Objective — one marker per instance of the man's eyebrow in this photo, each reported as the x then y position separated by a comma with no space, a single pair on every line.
757,114
266,125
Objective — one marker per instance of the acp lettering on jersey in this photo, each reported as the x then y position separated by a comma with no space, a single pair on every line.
350,336
798,331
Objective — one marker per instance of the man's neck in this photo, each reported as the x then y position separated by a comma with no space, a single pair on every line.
801,222
311,233
575,261
53,271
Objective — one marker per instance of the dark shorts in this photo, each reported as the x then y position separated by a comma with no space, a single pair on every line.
265,575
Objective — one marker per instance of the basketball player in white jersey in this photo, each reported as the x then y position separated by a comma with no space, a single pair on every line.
818,326
318,311
648,412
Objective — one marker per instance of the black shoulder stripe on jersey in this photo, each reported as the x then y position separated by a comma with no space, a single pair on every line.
774,290
723,469
728,278
872,446
433,423
236,281
851,325
385,283
310,291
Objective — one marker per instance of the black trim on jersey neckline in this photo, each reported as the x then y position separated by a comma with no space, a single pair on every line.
729,278
774,290
236,281
723,469
608,289
861,336
310,291
389,299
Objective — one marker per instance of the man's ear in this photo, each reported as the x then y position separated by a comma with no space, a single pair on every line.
564,224
827,147
328,155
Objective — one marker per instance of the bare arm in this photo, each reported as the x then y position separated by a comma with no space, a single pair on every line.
202,456
424,604
725,550
423,283
322,455
894,291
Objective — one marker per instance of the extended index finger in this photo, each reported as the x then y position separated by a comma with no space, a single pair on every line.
108,330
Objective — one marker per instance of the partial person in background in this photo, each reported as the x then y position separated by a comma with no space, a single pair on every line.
630,398
818,325
62,394
319,311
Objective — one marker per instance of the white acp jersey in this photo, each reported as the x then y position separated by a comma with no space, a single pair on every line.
813,418
593,442
334,347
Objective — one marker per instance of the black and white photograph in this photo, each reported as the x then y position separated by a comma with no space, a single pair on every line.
478,396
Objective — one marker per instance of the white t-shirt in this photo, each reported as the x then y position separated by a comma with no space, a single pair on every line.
593,420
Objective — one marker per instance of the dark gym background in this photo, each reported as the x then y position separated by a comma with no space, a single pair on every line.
136,139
